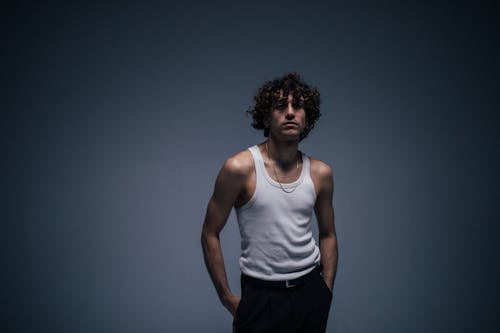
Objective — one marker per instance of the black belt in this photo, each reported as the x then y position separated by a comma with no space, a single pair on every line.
282,284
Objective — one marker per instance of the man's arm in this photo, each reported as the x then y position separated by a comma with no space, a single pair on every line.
326,223
227,188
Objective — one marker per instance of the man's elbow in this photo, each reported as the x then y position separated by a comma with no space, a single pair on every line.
204,236
207,235
328,239
328,235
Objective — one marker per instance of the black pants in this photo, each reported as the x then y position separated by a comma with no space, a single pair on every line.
303,308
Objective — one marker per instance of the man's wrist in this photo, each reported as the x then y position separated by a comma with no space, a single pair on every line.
225,297
328,279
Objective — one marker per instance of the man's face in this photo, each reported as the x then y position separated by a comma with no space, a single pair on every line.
288,118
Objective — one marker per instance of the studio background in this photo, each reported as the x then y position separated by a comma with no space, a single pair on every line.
117,118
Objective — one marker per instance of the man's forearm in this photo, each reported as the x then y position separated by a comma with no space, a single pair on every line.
214,261
329,258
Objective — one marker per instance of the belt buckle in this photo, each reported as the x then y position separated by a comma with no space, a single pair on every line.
288,284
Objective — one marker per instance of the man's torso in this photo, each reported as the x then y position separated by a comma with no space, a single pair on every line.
274,215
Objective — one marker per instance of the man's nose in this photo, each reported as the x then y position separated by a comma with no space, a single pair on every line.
290,111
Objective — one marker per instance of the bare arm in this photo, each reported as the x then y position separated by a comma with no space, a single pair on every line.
227,188
326,224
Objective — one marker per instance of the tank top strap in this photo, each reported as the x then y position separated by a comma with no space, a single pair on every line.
255,152
257,159
306,164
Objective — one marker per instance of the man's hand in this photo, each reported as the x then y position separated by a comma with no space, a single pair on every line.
231,303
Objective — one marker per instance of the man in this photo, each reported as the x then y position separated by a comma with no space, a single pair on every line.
286,280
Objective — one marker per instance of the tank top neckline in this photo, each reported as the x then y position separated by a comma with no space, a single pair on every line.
270,180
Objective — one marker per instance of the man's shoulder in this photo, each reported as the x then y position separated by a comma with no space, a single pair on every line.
320,169
240,163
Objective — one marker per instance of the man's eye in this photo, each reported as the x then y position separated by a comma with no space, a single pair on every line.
281,106
298,105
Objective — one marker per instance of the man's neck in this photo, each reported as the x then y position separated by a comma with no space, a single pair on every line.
283,153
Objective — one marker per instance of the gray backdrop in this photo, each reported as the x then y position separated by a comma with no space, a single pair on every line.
117,118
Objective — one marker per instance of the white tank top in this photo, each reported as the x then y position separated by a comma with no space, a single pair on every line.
275,226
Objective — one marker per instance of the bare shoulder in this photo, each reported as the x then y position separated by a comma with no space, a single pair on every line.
322,177
320,170
240,164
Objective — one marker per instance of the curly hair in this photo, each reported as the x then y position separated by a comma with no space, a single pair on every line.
272,92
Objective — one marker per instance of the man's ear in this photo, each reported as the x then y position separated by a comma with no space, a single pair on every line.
266,122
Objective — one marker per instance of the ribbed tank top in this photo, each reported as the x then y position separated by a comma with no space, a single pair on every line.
275,226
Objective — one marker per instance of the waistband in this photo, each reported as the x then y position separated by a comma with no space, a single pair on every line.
284,284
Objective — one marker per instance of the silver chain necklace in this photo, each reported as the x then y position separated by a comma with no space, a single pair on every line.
276,174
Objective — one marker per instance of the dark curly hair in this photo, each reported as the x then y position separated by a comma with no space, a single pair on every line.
270,94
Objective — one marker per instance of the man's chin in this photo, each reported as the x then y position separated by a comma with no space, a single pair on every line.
290,136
